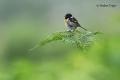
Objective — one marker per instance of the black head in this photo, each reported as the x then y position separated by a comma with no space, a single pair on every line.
68,15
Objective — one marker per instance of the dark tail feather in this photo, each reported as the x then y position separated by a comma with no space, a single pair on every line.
82,27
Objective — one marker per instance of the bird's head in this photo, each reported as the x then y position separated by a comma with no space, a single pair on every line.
68,15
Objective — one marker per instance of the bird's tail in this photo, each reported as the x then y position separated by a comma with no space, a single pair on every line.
82,27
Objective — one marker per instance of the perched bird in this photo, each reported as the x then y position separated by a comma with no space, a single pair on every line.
71,22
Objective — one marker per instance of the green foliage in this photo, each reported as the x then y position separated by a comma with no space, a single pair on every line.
74,39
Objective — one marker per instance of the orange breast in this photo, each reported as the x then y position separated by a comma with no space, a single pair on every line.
65,21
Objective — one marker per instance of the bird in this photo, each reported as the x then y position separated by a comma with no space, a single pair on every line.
71,22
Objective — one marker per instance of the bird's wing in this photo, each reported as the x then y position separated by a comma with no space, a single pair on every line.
74,20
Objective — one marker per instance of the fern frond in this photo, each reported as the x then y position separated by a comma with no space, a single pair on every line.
75,39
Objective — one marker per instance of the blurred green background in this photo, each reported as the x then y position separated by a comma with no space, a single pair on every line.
23,23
